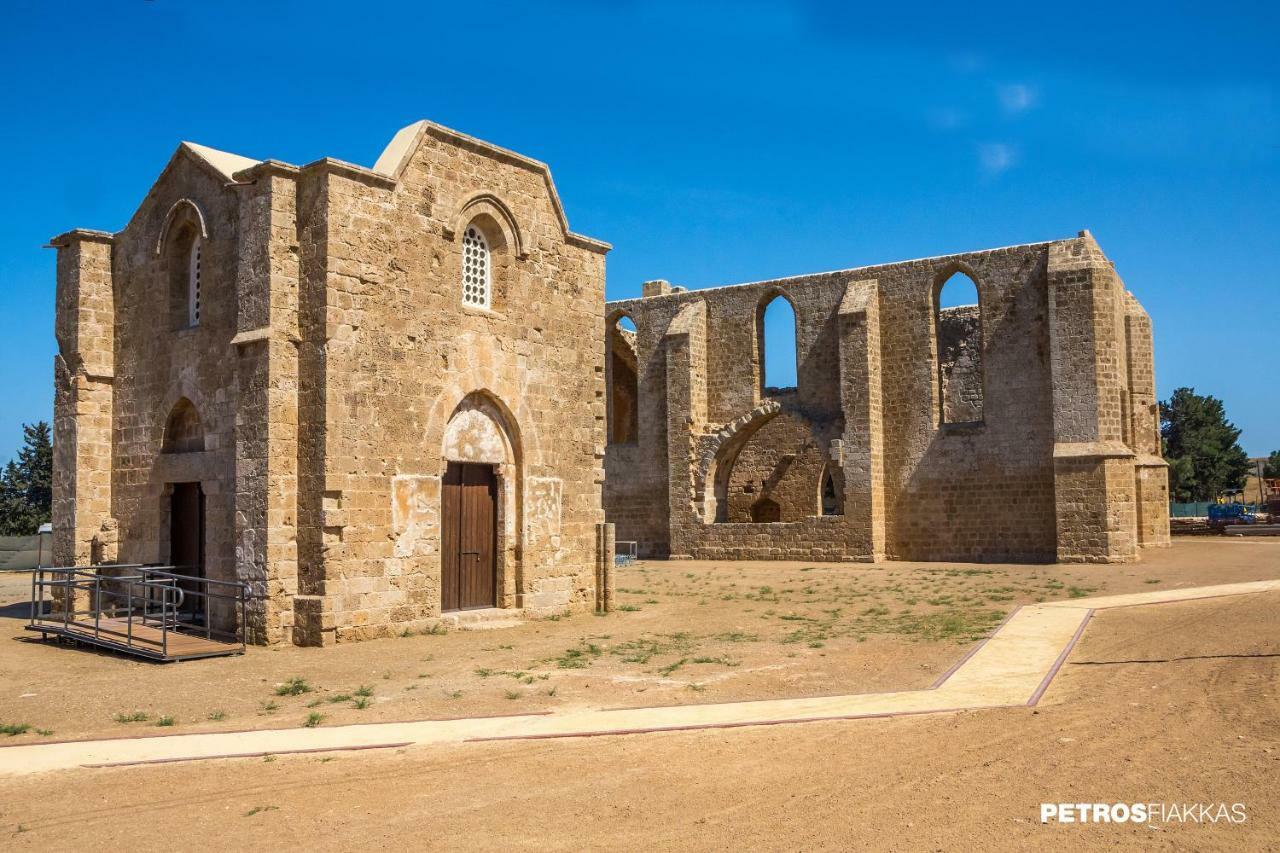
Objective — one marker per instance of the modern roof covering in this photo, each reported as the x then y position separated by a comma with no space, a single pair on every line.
225,162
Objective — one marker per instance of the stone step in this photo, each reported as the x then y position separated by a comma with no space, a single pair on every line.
488,618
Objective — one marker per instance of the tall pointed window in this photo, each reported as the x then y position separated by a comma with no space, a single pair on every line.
475,268
193,281
776,344
829,501
959,350
623,386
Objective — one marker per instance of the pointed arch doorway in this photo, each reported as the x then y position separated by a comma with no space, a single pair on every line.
480,504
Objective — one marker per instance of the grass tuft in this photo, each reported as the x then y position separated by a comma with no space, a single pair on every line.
293,687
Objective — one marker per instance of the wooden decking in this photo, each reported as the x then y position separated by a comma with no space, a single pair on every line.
145,641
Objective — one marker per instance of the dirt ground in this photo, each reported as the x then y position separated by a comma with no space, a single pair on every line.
1176,703
685,632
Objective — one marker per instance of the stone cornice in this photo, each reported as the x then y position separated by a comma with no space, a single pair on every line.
78,235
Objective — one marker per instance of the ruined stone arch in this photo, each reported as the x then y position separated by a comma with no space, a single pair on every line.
716,458
958,346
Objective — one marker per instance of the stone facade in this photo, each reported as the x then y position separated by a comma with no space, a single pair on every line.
1023,428
325,371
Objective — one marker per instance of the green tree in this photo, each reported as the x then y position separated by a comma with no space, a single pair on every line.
1201,447
1271,468
26,485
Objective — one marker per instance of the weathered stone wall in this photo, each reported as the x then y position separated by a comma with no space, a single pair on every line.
158,362
333,375
84,376
982,482
960,364
402,357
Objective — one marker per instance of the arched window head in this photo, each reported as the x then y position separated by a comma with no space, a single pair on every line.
476,269
194,263
183,431
831,503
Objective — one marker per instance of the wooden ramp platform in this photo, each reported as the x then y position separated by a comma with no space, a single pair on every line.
146,641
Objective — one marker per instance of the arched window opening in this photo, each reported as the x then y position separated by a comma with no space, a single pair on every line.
959,350
183,432
194,261
623,383
184,254
830,501
766,511
776,344
476,268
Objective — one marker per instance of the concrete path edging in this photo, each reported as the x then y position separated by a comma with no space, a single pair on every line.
1014,666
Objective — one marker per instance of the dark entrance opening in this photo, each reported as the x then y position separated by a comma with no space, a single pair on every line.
766,511
468,547
186,546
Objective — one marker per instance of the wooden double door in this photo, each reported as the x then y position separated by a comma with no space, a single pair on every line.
468,537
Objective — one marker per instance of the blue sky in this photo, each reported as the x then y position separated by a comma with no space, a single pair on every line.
710,143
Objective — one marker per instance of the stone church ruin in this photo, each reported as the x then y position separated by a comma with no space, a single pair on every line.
374,397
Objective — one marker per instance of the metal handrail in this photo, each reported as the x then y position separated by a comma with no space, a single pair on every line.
152,595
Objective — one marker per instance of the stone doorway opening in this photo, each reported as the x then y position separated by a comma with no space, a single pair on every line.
186,546
469,525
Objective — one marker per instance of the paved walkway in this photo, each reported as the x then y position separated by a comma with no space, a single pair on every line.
1013,667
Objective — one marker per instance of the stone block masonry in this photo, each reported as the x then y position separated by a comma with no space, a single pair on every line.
1022,428
304,330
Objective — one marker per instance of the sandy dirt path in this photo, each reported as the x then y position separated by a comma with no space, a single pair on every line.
694,632
1176,703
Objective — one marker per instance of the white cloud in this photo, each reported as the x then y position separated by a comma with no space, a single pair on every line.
996,157
1016,98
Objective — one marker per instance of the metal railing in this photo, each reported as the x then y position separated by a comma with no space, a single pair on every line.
120,601
625,552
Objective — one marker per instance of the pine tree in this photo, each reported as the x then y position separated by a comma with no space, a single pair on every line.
26,486
1271,469
1201,447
